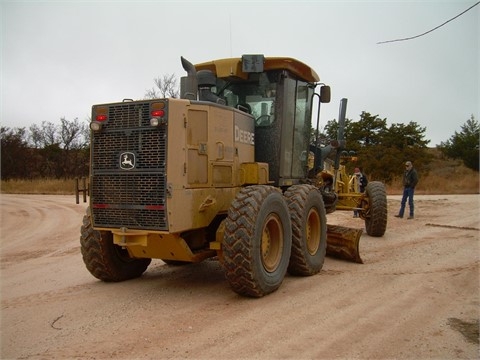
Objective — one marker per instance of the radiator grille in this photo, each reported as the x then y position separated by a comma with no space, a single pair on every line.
128,185
129,115
134,200
148,145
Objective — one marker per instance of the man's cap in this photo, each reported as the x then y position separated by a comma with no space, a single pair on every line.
408,163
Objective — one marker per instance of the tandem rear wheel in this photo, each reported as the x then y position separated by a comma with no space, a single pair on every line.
268,233
309,230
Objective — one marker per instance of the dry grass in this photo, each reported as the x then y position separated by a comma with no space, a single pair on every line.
458,180
443,176
39,187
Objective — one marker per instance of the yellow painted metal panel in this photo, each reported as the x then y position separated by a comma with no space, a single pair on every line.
233,67
253,173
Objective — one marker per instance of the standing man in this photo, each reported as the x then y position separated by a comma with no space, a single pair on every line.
360,183
410,180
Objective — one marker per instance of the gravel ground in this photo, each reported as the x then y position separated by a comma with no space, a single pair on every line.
415,297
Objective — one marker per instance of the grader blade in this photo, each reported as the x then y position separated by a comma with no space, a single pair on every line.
342,242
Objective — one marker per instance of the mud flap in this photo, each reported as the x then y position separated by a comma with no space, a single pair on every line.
343,243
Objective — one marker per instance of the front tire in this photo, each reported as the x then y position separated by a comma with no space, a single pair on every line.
309,230
105,260
257,241
376,213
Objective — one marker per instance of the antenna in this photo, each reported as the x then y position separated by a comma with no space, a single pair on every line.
230,19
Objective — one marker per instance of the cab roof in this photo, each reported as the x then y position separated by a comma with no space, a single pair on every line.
232,67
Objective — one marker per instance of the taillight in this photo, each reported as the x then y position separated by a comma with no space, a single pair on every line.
101,117
158,113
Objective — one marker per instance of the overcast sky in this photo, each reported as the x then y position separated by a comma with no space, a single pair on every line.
58,58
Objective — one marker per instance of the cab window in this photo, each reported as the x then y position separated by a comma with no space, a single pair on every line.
255,97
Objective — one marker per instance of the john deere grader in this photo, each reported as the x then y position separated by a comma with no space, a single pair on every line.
223,172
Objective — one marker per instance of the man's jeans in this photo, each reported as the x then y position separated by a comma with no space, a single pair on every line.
407,194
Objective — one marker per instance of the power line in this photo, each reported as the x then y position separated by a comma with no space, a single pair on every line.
429,31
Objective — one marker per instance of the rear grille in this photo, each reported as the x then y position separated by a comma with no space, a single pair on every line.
129,115
130,200
128,186
148,145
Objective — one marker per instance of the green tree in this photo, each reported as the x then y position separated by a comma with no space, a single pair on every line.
401,142
330,131
381,150
368,131
464,145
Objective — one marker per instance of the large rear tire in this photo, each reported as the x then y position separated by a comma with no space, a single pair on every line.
376,213
257,241
309,230
105,260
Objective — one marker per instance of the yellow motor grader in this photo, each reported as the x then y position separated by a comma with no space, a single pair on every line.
223,171
341,191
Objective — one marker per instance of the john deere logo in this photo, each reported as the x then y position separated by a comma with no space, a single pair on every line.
127,161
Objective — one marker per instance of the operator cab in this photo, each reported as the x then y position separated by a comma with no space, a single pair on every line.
278,93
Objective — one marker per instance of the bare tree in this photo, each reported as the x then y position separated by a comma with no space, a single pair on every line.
166,86
62,149
36,136
71,133
15,154
44,135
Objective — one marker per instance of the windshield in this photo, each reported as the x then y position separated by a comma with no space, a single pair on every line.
255,97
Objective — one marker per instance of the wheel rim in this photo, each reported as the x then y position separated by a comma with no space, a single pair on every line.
313,231
272,243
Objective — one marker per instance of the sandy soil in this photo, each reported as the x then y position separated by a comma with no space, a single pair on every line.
415,297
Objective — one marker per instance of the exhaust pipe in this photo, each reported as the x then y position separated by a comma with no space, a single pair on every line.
188,84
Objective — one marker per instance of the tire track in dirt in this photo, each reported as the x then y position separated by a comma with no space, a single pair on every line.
66,293
32,226
398,304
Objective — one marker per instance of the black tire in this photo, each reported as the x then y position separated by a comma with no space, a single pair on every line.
105,260
257,241
376,213
309,230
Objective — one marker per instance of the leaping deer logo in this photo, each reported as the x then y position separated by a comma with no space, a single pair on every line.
127,161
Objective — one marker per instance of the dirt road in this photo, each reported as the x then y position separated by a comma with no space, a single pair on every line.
415,297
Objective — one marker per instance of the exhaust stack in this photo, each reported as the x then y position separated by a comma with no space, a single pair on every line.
188,84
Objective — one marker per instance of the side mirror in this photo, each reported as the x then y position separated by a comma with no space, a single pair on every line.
325,94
